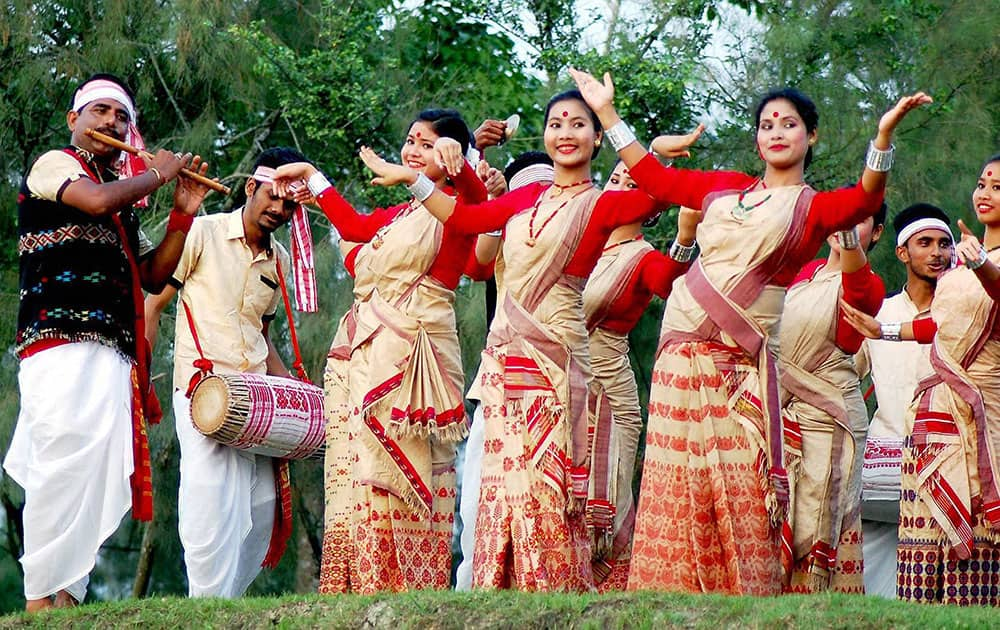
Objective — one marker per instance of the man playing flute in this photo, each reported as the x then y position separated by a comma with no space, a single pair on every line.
79,448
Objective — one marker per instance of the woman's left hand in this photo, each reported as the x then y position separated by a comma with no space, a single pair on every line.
386,173
448,155
672,147
887,124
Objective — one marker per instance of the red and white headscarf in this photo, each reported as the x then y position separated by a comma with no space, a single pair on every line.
128,165
303,265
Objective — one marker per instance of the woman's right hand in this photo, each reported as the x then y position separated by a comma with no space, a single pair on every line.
386,173
288,174
599,96
448,155
861,321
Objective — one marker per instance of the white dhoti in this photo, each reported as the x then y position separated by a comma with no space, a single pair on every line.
468,505
72,454
225,510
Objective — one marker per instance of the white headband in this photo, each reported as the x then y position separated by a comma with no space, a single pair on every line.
264,174
102,88
927,223
531,175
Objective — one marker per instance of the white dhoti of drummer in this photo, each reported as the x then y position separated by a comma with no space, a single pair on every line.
228,278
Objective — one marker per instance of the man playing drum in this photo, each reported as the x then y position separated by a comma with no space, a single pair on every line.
229,281
79,449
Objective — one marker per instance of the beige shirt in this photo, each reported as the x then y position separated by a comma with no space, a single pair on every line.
896,368
230,293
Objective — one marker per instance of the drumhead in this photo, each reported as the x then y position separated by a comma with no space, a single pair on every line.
209,404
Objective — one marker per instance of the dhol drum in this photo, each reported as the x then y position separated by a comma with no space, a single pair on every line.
266,415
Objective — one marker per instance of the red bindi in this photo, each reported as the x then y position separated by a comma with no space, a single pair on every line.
565,114
774,114
418,134
989,173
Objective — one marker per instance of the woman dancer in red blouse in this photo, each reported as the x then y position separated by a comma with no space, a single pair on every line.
530,531
714,488
394,378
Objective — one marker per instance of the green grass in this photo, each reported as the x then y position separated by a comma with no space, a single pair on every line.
518,611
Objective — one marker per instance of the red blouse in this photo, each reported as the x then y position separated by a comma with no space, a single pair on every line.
861,289
613,209
361,228
653,275
829,211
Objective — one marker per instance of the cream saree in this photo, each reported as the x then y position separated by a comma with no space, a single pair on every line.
714,490
395,372
615,419
825,427
949,526
530,530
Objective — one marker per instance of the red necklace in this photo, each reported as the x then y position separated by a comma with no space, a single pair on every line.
532,235
741,211
637,237
560,187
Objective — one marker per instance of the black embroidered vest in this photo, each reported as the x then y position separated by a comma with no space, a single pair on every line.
76,282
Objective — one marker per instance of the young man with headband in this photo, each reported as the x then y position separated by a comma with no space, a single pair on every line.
924,244
229,281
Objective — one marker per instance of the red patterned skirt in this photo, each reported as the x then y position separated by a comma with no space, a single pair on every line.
702,523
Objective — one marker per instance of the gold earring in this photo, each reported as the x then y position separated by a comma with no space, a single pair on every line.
597,142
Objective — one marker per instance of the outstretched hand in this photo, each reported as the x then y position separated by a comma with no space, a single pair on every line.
188,193
861,321
386,173
887,124
969,247
672,147
288,180
598,95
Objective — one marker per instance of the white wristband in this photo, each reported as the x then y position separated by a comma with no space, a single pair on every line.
878,160
317,183
422,188
890,331
682,253
620,135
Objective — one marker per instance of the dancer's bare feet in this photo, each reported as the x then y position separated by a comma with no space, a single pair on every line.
65,600
35,605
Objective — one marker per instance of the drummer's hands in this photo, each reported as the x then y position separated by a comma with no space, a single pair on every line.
387,173
188,193
448,155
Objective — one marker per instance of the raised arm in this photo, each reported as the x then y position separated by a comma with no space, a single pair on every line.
352,225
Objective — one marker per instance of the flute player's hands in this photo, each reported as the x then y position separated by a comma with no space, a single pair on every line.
188,194
167,164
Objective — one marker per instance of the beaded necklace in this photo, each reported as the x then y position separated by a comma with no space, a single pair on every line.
532,239
637,237
563,187
741,211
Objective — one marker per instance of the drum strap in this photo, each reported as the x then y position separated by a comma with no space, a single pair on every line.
203,364
298,366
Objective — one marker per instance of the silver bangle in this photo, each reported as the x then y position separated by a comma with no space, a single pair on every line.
422,188
878,160
494,233
317,183
890,332
848,239
620,135
682,253
979,262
